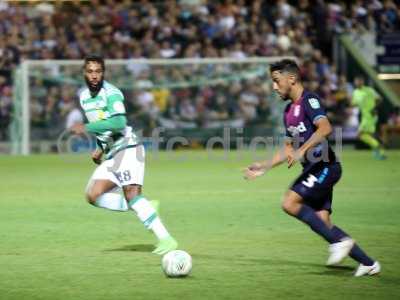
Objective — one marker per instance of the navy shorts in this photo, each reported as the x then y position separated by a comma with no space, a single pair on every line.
315,185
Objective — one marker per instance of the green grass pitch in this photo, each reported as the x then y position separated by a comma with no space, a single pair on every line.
55,246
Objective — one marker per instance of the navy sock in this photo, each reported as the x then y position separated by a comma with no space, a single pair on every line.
308,216
356,252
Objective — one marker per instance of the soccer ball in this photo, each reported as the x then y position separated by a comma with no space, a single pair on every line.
177,263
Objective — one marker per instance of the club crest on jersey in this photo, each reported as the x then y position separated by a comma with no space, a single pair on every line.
296,130
314,103
119,107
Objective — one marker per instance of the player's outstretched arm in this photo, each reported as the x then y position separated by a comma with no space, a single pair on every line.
260,168
115,123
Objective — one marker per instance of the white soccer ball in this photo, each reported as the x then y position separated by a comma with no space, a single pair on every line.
177,263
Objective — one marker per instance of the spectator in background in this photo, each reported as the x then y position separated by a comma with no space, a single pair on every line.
392,126
145,112
161,96
188,113
169,29
248,102
170,117
218,111
66,103
73,116
5,111
263,111
342,98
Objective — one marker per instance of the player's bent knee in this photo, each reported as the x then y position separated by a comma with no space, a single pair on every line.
289,206
291,203
91,196
286,206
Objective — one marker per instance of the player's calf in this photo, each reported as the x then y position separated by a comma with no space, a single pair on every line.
147,214
339,251
292,204
356,252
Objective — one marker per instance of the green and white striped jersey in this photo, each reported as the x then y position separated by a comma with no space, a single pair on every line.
108,103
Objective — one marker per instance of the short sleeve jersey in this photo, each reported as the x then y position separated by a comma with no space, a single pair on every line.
299,120
107,103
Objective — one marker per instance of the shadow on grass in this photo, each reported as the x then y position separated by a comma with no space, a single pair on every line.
133,248
341,271
247,260
338,268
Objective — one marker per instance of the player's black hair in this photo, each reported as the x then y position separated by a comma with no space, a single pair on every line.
95,58
286,65
359,76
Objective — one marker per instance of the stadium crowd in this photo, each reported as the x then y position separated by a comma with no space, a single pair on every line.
190,29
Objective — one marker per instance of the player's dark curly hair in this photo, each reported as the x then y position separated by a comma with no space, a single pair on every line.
95,58
286,65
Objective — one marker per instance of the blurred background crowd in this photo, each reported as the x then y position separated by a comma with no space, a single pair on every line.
185,29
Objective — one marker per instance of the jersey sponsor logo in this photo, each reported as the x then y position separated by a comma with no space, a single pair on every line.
101,115
314,103
99,104
295,130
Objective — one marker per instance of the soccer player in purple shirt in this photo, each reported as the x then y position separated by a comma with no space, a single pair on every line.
309,198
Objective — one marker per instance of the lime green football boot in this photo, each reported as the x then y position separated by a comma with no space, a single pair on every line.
165,245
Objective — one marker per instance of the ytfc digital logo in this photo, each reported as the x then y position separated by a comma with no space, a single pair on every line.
221,147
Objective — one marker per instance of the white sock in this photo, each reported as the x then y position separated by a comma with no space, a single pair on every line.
112,201
148,216
159,229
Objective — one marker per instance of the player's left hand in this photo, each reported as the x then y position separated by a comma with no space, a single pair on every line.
294,157
253,171
78,128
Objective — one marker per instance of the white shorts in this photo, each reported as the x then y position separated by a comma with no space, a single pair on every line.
126,167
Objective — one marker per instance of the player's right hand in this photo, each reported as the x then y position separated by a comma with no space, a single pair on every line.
96,156
78,128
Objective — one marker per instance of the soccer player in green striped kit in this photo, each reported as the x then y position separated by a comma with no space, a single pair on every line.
123,164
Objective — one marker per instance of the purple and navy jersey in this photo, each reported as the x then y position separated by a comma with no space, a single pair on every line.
299,119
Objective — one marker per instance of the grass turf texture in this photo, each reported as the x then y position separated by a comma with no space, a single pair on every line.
55,246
